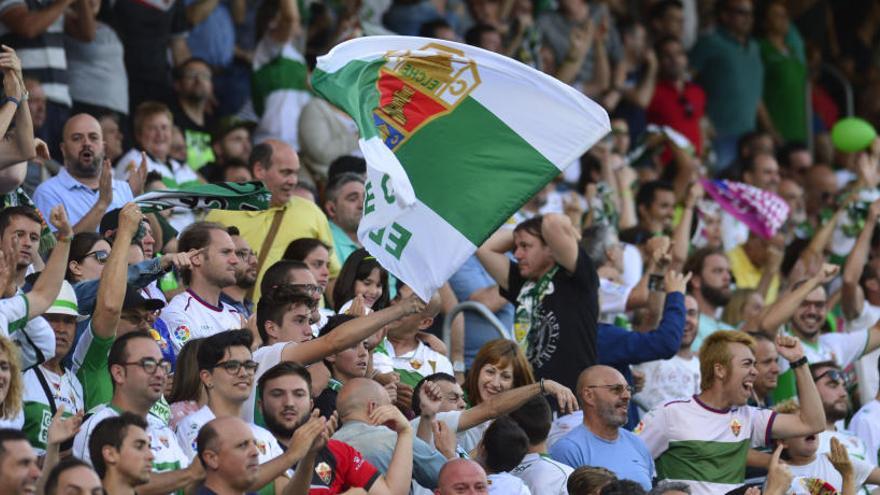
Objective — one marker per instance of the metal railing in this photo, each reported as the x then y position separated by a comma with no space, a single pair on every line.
478,308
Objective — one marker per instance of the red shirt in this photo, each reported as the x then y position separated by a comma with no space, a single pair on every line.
338,467
680,111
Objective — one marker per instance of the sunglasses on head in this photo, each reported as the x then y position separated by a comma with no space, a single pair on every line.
833,375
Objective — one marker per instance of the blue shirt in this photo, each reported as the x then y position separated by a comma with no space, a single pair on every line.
342,243
213,39
627,456
77,198
470,278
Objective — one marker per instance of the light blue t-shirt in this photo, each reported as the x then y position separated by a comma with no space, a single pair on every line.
76,197
627,457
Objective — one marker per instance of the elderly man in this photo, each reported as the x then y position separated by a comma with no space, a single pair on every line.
277,165
462,476
231,460
601,441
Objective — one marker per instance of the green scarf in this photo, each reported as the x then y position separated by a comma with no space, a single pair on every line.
250,196
530,296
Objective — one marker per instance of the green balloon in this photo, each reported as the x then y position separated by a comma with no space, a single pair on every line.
852,134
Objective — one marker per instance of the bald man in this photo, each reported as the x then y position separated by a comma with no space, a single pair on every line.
231,460
462,477
276,164
406,354
364,407
78,185
601,441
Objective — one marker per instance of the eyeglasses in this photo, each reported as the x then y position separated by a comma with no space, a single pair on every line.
309,289
233,366
100,256
615,389
833,375
150,365
245,254
136,318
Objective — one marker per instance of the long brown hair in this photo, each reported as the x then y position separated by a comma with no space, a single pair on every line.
498,352
187,384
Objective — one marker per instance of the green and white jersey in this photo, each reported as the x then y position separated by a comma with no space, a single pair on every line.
543,475
866,425
13,314
168,456
841,348
412,366
89,364
704,447
63,390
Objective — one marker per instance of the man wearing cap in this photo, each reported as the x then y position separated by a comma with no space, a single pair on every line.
85,189
50,386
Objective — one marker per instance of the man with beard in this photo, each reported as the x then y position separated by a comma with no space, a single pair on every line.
345,207
678,376
121,455
831,383
194,90
19,469
84,186
710,286
804,308
601,441
245,276
704,440
227,371
286,401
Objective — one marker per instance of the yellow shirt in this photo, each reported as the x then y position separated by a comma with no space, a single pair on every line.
748,276
302,218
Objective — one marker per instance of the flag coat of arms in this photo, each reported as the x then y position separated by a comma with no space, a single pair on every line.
456,139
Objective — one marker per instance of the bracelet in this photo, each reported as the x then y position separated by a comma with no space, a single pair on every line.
800,362
62,238
656,283
458,367
541,382
13,99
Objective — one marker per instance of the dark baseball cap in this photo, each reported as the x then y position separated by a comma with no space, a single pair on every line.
135,300
110,222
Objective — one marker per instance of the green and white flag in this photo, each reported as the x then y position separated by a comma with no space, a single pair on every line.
249,196
456,139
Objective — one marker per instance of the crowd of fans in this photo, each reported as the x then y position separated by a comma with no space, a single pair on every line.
656,340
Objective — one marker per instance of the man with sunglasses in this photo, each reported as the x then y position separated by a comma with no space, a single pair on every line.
601,440
139,376
831,382
228,373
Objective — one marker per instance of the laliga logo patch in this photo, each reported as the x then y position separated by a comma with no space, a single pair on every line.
735,427
324,472
639,427
181,333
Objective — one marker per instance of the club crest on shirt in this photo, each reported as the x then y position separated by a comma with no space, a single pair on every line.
735,427
324,472
415,363
181,333
261,446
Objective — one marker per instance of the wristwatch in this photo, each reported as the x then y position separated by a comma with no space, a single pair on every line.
800,362
13,99
458,367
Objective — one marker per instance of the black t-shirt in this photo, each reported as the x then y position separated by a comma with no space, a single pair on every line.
326,402
145,27
563,343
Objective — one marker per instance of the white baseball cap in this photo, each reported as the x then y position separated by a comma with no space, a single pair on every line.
66,303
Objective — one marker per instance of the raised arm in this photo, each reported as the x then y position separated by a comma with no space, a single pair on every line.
681,236
111,289
350,332
511,400
29,23
783,309
811,417
48,285
92,219
852,299
399,475
22,146
492,257
562,238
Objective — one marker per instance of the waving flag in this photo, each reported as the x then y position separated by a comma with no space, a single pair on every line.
249,196
456,139
762,211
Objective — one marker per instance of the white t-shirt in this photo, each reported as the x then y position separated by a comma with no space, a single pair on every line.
842,348
507,484
16,423
612,299
65,390
13,313
266,357
412,366
562,425
866,368
167,454
541,474
468,438
855,447
188,430
866,425
668,379
190,317
174,174
821,471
